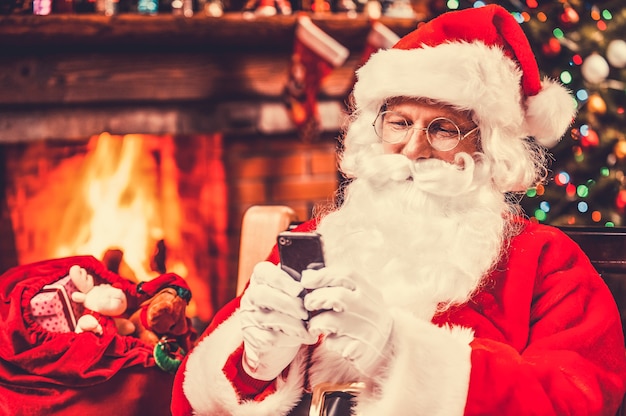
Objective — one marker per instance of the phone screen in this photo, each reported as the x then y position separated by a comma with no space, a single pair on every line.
300,251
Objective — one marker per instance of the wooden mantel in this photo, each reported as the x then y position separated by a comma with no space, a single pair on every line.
71,76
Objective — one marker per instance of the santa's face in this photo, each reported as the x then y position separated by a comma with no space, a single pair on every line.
417,127
424,229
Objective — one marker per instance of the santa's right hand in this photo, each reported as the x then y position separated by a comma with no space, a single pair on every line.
272,322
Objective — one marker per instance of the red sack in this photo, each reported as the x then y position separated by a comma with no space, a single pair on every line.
44,372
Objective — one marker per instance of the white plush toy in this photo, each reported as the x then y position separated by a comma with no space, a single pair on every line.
102,299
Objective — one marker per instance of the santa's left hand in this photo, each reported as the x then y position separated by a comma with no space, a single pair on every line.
354,319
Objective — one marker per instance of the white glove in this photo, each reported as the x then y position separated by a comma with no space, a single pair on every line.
353,317
272,322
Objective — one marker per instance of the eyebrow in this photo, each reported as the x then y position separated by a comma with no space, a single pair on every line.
455,116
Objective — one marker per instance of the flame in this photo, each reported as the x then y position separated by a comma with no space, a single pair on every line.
116,205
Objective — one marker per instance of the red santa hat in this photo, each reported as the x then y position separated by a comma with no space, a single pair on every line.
154,286
476,59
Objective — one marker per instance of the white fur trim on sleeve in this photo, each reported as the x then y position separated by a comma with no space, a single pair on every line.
428,373
210,393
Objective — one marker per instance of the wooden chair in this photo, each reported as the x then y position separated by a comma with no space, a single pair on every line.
259,227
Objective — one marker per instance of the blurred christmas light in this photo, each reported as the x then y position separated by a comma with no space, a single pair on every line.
479,4
583,207
596,104
452,4
570,190
544,206
579,157
591,139
577,59
582,191
601,25
531,193
611,159
595,12
540,215
582,95
540,189
558,33
606,15
569,15
605,171
562,178
596,216
541,16
609,224
552,47
566,77
620,201
620,149
532,4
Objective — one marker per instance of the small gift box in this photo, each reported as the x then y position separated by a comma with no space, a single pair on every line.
53,307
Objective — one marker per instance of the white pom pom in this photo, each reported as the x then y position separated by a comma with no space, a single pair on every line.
550,113
616,53
595,68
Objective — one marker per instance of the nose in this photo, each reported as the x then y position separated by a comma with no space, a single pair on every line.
417,146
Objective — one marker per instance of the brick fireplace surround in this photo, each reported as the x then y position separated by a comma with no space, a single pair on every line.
66,78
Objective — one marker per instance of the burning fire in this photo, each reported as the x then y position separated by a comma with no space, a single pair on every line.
126,201
118,205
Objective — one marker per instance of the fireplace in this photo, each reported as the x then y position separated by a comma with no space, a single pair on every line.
144,204
142,139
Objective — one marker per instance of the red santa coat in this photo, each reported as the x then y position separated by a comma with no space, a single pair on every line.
542,337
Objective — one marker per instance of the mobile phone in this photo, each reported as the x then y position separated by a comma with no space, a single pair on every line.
299,251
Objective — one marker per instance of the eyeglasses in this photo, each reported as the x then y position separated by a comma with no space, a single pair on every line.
442,133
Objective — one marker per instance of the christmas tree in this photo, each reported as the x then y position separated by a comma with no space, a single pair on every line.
581,43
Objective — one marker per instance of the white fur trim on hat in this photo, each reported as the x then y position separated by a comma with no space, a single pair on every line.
470,76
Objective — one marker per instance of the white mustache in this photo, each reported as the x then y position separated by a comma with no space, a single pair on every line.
433,176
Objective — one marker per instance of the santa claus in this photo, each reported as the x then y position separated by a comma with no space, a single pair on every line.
437,296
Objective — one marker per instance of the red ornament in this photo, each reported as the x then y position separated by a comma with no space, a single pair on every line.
569,16
591,139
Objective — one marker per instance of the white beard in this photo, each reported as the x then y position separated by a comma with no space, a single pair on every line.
426,233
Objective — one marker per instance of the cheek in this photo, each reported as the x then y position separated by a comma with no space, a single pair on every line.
391,148
469,145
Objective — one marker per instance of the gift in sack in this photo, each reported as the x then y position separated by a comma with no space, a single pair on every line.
53,307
